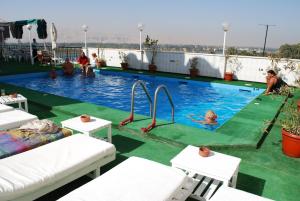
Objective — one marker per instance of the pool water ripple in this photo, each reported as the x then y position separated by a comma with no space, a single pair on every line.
114,90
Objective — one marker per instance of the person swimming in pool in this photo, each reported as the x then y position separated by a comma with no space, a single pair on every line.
68,67
90,72
210,118
52,74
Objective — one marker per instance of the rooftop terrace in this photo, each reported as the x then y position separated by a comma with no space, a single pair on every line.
264,169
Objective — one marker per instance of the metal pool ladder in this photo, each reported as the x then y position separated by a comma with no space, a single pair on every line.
153,124
131,117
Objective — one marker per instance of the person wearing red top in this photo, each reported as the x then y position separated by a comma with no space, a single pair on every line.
83,61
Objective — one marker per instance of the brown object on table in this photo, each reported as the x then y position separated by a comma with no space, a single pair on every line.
13,95
85,118
204,151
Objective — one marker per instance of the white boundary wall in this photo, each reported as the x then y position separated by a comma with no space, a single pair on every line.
210,65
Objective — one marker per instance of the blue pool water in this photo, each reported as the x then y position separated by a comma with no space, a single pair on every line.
113,89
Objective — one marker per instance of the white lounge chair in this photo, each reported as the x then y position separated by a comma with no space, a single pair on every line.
14,119
225,193
5,108
135,179
31,174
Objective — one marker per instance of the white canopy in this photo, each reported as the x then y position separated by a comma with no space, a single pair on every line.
53,40
53,36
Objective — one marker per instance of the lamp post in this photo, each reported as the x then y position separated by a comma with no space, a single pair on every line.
29,27
267,29
225,26
85,28
140,28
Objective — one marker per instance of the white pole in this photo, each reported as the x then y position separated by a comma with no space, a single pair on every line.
224,43
30,47
45,45
140,40
85,28
140,28
54,55
85,41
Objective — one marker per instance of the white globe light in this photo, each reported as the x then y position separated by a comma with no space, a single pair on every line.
225,26
85,28
140,26
29,26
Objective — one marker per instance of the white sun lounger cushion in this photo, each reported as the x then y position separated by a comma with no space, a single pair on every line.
35,169
5,108
14,119
231,194
135,179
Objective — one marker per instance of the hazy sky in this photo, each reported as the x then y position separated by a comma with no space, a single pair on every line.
169,21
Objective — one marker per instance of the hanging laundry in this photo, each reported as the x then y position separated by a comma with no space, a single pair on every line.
16,28
42,29
6,34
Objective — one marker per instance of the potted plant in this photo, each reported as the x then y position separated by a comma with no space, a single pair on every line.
124,60
228,76
193,67
102,63
291,131
152,45
294,67
232,65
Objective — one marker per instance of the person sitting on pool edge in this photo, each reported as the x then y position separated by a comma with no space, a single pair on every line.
209,118
95,62
68,67
83,61
274,83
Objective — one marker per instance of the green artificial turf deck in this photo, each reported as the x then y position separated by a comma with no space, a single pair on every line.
264,171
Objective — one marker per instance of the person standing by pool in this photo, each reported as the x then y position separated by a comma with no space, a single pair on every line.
274,83
68,67
83,61
209,118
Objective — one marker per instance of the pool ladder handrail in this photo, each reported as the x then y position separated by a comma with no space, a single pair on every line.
131,117
153,124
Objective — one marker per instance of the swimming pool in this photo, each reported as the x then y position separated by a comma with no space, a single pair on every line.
113,89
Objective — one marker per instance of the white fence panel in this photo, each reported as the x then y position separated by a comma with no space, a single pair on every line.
249,68
255,69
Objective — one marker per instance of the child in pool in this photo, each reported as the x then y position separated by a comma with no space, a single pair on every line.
209,118
90,72
53,74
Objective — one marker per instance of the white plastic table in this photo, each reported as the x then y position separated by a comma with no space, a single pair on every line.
218,166
7,100
88,128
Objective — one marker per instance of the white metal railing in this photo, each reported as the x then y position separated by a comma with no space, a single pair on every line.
153,124
131,116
